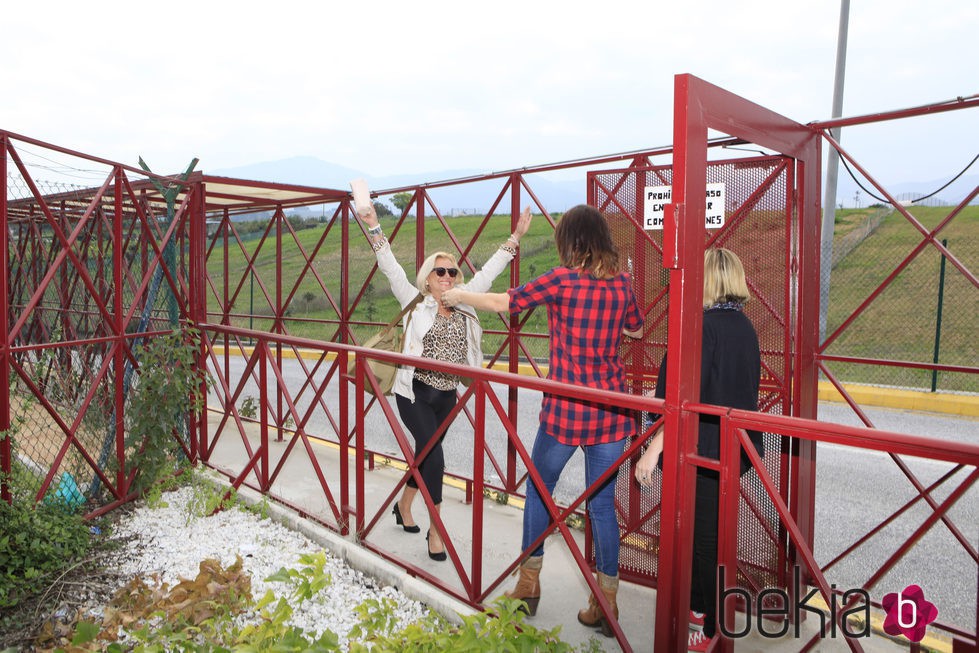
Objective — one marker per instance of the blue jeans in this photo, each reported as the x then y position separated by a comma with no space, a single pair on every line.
549,457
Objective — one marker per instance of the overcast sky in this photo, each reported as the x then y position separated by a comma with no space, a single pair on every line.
406,87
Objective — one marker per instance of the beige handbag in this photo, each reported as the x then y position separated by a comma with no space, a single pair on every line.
390,338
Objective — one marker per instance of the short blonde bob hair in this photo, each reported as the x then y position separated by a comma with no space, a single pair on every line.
421,282
724,279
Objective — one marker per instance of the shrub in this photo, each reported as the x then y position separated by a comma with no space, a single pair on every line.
36,542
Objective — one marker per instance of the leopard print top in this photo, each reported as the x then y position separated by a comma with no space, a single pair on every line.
445,341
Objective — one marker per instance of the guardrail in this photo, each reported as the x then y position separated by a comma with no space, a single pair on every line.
304,395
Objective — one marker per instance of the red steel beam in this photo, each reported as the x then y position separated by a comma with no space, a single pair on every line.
962,102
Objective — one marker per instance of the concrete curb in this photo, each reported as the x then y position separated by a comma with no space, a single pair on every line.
930,402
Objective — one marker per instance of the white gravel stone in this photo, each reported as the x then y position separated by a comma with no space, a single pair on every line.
169,541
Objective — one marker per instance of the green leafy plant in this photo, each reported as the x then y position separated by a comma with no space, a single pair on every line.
272,632
500,629
308,579
36,542
171,386
498,496
207,497
249,407
203,615
377,619
156,494
262,508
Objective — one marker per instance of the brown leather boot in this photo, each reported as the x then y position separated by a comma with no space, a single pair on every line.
592,615
528,584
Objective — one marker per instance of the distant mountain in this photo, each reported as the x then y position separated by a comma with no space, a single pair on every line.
555,195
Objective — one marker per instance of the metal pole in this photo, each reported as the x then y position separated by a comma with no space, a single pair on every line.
6,444
938,318
832,170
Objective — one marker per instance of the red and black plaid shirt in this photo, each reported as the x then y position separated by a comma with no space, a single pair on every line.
586,317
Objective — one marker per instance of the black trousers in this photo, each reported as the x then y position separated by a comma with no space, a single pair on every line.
703,577
423,418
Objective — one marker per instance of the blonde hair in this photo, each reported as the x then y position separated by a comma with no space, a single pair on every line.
724,279
421,282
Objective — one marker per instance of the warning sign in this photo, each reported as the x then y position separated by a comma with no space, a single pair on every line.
659,196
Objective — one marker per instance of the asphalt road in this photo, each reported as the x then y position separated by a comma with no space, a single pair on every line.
856,490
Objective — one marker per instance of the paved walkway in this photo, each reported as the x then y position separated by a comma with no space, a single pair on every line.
564,591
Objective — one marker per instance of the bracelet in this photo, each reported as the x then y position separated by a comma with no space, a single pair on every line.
512,251
375,230
512,239
378,244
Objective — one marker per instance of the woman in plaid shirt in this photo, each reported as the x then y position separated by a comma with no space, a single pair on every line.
590,304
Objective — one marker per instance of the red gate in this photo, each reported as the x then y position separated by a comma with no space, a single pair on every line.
757,222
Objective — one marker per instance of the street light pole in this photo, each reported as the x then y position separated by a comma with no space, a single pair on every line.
832,171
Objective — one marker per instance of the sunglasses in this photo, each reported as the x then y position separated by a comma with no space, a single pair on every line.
442,271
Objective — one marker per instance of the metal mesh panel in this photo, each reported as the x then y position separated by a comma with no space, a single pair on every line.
757,227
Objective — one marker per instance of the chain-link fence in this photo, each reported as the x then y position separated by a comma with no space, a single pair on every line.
75,259
896,298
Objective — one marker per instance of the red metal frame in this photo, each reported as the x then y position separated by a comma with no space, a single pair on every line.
121,217
698,107
476,587
110,224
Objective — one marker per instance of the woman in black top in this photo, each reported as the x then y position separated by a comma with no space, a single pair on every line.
730,369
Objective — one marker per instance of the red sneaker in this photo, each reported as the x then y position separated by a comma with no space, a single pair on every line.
696,620
697,641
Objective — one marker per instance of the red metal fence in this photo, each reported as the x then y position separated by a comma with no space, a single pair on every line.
92,271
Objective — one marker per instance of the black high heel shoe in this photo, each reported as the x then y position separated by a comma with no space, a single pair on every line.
397,517
435,556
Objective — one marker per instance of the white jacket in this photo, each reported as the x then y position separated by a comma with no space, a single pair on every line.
423,315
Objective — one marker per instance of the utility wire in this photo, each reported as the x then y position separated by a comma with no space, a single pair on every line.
924,197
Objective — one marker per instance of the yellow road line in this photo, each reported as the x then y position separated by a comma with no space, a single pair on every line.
864,395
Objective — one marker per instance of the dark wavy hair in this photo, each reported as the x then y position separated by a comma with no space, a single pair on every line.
584,241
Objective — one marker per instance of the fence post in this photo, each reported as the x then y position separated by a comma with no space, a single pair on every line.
938,317
6,446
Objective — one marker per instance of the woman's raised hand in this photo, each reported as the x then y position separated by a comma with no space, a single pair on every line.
370,217
523,223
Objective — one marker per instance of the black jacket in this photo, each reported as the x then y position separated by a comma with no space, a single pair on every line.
730,370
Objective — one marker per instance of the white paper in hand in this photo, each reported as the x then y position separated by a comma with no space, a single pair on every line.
362,196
